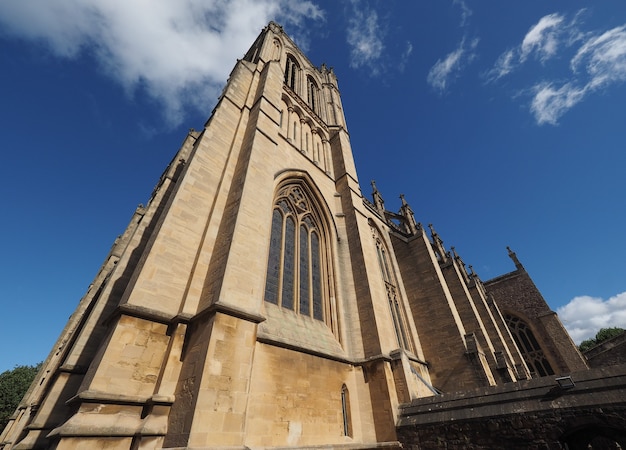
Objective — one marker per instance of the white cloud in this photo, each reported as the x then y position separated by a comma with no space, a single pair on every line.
503,66
604,58
549,104
444,70
179,52
542,38
364,36
584,316
598,63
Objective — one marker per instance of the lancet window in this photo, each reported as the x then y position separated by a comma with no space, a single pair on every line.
292,70
393,294
529,347
296,269
345,411
312,93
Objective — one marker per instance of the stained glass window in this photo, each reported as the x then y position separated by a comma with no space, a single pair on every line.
273,265
289,264
295,272
305,301
316,277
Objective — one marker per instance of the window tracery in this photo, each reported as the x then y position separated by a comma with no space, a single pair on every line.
529,347
393,294
296,263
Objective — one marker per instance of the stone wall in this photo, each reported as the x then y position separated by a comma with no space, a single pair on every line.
542,430
516,294
609,353
533,414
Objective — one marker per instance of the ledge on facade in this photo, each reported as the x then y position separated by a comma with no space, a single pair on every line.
502,277
374,445
229,310
593,388
145,313
91,396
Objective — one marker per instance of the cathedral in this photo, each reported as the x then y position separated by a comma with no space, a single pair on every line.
261,300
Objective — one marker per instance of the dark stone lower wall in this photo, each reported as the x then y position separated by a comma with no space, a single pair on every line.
548,430
608,353
532,414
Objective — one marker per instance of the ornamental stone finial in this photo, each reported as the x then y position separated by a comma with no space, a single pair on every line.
513,256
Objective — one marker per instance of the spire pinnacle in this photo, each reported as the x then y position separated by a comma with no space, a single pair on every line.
513,256
379,203
461,264
438,245
409,218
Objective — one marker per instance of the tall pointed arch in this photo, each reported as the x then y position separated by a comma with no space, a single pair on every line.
528,345
292,72
388,274
299,270
312,93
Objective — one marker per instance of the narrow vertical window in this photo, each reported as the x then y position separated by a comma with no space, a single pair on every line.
345,411
393,295
312,93
291,72
316,277
288,269
305,282
273,265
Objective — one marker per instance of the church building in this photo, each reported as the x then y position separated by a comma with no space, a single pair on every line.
261,300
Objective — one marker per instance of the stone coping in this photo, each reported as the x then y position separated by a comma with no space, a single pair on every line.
593,388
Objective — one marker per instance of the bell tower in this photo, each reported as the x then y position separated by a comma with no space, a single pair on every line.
244,304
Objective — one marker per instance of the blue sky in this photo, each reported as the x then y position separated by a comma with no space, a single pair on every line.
502,123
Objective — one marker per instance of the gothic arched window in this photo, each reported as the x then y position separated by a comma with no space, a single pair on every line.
393,295
312,93
296,269
529,347
291,72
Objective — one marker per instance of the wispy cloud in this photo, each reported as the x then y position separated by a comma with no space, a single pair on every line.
466,12
599,62
543,38
550,103
404,58
542,41
179,52
584,316
445,70
603,58
505,63
364,36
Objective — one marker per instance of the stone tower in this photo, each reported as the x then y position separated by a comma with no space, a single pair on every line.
259,300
